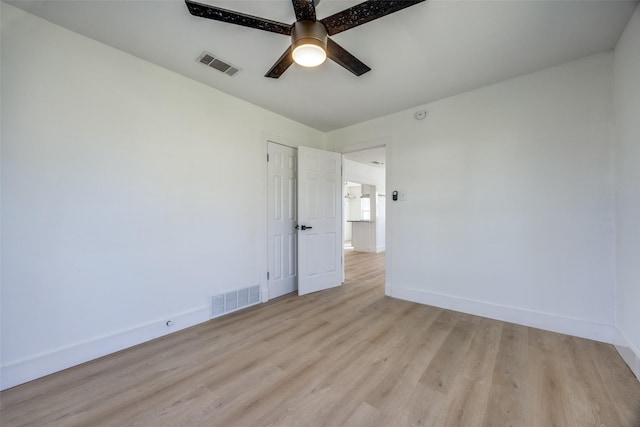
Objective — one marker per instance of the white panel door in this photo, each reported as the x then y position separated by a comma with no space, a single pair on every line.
282,249
319,219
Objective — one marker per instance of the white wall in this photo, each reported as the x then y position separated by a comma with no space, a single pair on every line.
627,111
130,196
354,208
509,199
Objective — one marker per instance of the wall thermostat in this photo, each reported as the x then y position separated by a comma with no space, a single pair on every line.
420,115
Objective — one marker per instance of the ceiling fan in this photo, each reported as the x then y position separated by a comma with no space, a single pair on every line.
310,42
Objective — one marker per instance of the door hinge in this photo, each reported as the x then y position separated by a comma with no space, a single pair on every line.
267,157
267,275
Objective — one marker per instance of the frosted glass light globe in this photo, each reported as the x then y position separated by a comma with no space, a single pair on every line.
309,55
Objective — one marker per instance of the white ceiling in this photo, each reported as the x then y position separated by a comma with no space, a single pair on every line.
424,53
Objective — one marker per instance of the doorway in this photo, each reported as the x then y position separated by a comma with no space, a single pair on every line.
364,207
364,203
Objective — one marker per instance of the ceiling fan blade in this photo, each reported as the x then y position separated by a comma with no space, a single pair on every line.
363,13
281,65
231,17
340,56
305,10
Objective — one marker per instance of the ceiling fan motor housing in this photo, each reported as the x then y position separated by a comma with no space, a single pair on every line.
308,32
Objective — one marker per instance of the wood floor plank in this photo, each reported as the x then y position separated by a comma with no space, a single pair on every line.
593,403
346,356
508,396
426,406
471,392
439,375
618,381
550,388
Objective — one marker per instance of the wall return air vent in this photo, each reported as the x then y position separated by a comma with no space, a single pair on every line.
212,61
234,300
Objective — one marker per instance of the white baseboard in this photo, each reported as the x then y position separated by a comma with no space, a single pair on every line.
547,321
27,370
630,354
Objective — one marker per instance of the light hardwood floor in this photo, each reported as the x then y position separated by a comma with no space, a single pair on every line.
347,356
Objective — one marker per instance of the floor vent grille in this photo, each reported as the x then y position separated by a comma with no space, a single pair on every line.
234,300
212,61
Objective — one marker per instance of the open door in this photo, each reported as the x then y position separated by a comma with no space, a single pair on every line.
319,220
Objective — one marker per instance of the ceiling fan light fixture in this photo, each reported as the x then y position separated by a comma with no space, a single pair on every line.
309,54
309,43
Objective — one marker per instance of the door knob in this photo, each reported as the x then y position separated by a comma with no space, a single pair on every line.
303,227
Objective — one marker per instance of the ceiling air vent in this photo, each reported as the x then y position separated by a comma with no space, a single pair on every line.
212,61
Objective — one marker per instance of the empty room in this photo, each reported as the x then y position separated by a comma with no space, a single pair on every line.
176,184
